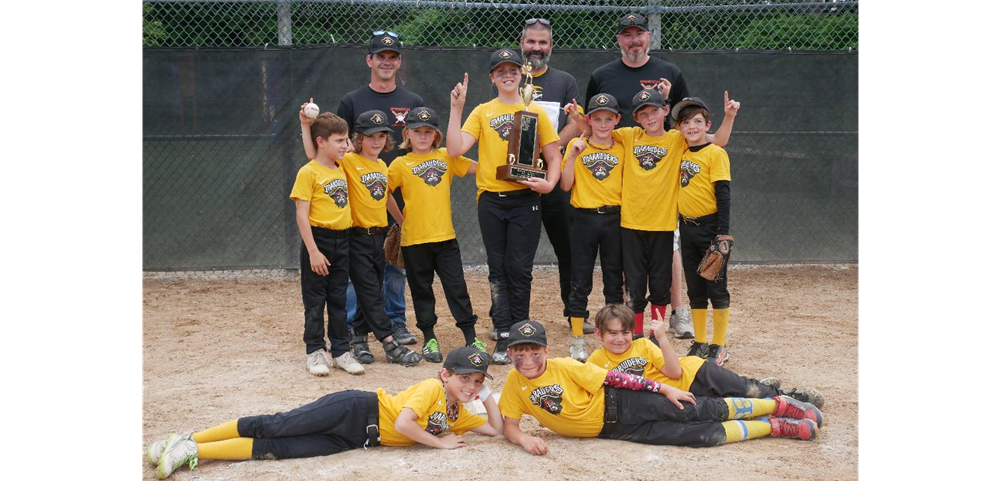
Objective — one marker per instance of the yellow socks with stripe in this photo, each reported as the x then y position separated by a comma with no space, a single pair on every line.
741,430
577,326
744,408
229,449
228,430
699,317
720,321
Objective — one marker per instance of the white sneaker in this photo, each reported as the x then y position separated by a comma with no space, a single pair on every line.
680,324
578,349
179,451
317,363
157,448
348,364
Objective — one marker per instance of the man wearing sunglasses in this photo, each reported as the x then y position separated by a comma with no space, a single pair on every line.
553,90
383,93
636,70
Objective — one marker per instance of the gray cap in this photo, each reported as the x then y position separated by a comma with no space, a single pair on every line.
467,360
527,332
687,102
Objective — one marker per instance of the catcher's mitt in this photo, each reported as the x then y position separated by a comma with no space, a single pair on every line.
392,247
712,266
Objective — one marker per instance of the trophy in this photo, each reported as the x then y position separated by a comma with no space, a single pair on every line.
523,141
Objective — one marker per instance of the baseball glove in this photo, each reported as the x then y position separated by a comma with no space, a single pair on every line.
392,247
712,266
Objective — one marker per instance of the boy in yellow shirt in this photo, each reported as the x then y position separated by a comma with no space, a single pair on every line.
584,400
423,413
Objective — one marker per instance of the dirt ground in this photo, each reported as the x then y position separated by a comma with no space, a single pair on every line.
215,350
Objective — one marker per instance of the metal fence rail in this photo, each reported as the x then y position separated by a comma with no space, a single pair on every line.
584,24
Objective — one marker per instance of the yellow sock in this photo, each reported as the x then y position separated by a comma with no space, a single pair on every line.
740,430
743,407
699,317
577,326
720,321
228,430
229,449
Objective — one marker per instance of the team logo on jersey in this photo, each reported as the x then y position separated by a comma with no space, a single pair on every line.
688,171
431,171
648,155
338,190
502,124
475,359
549,398
387,41
377,119
632,365
437,423
536,92
399,114
376,182
649,84
600,164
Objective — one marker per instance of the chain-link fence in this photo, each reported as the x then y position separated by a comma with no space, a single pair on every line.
583,24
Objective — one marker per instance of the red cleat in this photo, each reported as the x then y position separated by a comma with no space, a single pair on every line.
804,429
788,407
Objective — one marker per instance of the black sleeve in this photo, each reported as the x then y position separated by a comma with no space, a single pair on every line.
723,200
592,90
345,111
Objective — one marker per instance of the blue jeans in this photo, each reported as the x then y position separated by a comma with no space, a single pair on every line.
393,296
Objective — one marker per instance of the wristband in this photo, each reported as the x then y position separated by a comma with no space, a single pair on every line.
484,393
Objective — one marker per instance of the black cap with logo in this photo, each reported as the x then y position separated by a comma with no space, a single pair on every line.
602,102
647,97
687,102
505,55
371,122
385,40
467,360
527,332
421,116
632,20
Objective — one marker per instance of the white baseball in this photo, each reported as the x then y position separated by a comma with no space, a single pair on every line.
311,110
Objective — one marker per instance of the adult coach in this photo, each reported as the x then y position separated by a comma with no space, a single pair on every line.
383,93
623,79
635,70
553,90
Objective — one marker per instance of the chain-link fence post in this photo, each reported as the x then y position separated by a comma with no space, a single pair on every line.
284,22
655,27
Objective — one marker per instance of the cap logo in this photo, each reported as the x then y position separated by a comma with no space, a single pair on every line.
475,359
424,115
505,54
387,41
527,330
643,96
632,18
601,100
377,119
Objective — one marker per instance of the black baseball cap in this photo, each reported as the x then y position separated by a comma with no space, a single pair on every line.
420,116
632,20
687,102
467,360
385,40
602,102
527,332
371,122
647,97
505,55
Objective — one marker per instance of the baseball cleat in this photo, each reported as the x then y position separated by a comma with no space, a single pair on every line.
317,363
500,354
804,429
430,351
361,349
477,343
399,354
588,327
178,451
402,336
787,407
348,363
493,335
717,354
680,324
698,349
157,448
772,382
806,395
578,349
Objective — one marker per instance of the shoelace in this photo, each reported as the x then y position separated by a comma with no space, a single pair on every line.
477,343
432,346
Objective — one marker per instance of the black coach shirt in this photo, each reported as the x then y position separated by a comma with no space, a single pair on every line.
623,82
395,104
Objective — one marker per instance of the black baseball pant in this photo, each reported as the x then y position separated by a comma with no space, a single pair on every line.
650,418
509,224
422,262
317,291
366,264
696,237
557,216
713,380
591,234
647,255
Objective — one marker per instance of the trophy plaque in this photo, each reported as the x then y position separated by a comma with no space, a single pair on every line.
523,141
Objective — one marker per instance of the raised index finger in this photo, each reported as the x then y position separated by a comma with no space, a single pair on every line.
727,96
466,79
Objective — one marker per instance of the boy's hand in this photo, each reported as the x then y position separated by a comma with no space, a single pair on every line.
578,145
732,106
305,120
676,396
319,264
534,445
541,186
656,324
458,95
664,87
573,111
452,441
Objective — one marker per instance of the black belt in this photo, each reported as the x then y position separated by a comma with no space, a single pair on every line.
372,420
367,230
611,412
605,209
323,232
512,193
705,219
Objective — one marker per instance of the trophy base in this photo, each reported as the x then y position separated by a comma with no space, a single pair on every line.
519,172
